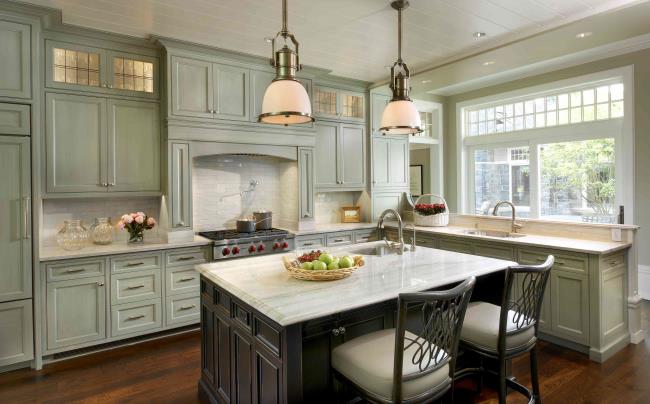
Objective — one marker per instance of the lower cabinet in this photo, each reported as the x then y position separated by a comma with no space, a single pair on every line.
570,306
16,342
334,239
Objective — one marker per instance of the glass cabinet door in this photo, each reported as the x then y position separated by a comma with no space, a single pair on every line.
74,67
353,107
135,74
326,103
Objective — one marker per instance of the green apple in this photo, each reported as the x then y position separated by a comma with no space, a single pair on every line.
319,266
307,265
332,265
336,259
326,258
346,262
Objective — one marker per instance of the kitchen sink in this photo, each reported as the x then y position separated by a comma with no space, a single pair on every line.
492,233
379,250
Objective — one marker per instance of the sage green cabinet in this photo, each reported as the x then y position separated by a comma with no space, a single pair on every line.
570,305
203,89
15,216
15,60
340,156
378,103
390,161
180,185
15,119
95,144
76,312
385,200
306,182
16,335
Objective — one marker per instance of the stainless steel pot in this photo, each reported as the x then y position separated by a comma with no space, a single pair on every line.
263,219
245,225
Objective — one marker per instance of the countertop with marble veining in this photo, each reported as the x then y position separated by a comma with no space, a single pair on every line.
264,283
53,253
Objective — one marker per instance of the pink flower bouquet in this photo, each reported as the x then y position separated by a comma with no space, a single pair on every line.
136,224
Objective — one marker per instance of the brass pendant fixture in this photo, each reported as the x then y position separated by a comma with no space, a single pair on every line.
285,101
400,116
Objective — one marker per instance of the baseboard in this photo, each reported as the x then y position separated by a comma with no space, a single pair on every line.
15,366
644,281
563,342
638,337
608,351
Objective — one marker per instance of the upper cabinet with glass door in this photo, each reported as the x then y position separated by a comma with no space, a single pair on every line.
83,68
339,105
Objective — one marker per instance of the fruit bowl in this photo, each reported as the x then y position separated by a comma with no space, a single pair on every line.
292,264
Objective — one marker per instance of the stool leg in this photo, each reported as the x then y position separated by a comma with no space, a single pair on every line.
502,381
534,375
480,375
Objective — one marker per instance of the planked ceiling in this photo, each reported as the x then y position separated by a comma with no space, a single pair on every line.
353,38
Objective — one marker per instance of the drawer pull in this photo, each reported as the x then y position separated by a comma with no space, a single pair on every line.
75,270
613,262
185,258
187,307
139,316
339,240
134,264
134,287
308,244
191,278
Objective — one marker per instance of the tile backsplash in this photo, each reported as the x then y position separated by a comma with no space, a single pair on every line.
328,205
55,211
221,184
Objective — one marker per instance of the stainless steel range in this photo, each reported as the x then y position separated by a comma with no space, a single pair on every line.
231,244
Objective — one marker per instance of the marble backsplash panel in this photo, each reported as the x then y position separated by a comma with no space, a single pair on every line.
328,205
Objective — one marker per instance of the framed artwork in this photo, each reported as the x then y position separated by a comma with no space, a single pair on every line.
351,214
415,172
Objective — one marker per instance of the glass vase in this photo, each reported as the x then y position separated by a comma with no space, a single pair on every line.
72,236
136,237
102,231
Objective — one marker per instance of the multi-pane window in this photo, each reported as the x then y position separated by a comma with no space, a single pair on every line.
76,67
563,108
134,75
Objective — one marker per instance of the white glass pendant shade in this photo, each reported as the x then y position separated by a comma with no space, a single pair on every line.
286,102
400,117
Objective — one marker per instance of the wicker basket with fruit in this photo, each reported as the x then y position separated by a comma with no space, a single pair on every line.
321,266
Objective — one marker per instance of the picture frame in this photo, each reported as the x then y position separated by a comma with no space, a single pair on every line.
415,179
350,214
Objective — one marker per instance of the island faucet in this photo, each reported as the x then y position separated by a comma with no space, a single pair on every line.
400,230
514,226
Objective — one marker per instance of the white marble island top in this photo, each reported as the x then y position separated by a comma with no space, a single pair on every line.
264,284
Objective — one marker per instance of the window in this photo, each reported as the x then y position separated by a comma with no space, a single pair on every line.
76,67
134,75
571,167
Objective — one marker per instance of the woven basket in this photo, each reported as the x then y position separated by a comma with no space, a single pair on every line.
438,220
293,266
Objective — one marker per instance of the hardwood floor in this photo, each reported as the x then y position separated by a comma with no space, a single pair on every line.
167,371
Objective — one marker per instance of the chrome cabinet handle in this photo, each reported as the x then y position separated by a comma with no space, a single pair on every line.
100,283
180,224
187,307
111,184
26,217
307,215
134,287
134,264
74,270
336,332
307,244
135,317
186,279
342,330
338,240
103,184
185,258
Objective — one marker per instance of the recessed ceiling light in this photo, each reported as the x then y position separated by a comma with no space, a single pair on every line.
479,34
268,39
583,35
489,62
425,81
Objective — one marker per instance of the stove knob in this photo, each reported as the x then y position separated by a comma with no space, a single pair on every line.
226,251
251,249
261,248
235,250
276,246
285,245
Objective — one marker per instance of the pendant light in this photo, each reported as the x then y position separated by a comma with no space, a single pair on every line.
285,101
400,116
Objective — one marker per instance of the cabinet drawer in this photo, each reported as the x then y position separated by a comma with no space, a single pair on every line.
573,263
310,242
136,262
135,286
613,261
185,257
14,119
336,239
136,317
74,270
241,315
457,246
421,241
182,280
364,236
267,334
495,251
183,309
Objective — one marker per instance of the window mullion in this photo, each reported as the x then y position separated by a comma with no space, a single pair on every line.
535,180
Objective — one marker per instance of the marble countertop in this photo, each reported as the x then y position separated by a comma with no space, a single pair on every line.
264,283
52,253
534,240
334,227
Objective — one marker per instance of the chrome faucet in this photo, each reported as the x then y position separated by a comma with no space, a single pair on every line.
514,226
400,230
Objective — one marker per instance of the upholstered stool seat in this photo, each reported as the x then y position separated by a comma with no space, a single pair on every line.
481,328
367,361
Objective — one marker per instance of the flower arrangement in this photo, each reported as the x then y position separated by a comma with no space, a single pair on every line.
136,224
428,209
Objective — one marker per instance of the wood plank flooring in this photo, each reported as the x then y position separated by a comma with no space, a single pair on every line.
167,371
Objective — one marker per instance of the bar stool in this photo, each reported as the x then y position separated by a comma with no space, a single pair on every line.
397,366
507,331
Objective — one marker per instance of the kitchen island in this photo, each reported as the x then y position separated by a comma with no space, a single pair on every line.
267,337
